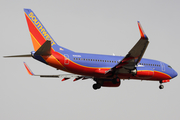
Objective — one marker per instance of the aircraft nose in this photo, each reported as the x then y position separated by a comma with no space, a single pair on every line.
174,74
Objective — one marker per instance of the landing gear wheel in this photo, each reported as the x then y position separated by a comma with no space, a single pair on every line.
96,86
161,86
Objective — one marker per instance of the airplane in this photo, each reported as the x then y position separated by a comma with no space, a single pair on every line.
105,70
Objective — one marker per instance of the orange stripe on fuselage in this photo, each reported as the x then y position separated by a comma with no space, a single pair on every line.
52,61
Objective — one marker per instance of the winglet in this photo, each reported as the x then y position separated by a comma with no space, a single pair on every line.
142,33
28,70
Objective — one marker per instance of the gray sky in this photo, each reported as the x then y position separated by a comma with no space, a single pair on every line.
90,26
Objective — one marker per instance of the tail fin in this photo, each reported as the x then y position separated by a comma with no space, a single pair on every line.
38,32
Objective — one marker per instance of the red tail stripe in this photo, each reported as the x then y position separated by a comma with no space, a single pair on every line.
34,31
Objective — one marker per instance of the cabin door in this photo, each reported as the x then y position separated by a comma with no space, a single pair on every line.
66,59
162,66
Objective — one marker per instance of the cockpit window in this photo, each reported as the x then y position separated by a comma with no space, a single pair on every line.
169,66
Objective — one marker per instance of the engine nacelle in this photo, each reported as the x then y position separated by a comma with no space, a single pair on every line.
144,72
109,83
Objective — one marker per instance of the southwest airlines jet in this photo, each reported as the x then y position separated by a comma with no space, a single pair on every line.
105,70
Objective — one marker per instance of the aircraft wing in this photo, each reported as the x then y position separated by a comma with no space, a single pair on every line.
134,55
64,76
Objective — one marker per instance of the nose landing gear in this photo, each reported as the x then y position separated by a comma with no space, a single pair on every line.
162,81
161,86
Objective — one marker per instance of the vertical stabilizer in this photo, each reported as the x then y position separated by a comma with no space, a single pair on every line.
38,32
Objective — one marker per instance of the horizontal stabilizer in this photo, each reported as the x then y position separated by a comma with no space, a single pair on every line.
45,49
27,55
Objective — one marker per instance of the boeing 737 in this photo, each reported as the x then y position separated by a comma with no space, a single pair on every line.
105,70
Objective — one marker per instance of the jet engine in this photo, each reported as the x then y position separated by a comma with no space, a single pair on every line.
106,83
143,72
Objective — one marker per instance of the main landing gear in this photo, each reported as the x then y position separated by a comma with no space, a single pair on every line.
96,86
